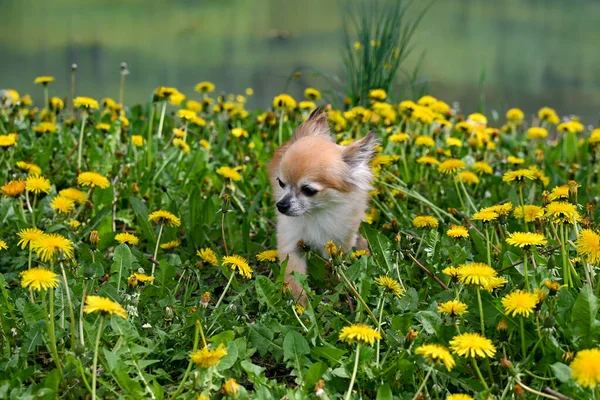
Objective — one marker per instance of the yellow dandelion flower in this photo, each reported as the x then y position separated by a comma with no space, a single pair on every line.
50,245
37,184
585,368
62,204
536,133
164,217
526,239
186,115
472,345
454,142
531,212
85,102
239,265
425,221
93,179
45,127
514,160
515,115
206,358
44,80
476,274
208,256
559,193
284,101
588,245
459,396
181,145
134,279
436,354
453,308
307,105
231,387
548,114
268,255
39,279
467,177
457,232
126,237
13,188
170,245
106,307
428,160
74,194
359,333
451,272
519,303
312,94
28,236
482,168
230,173
562,212
494,283
103,126
360,253
425,141
451,166
205,144
137,140
595,136
389,285
205,87
74,223
239,132
3,245
485,215
32,169
399,138
518,176
377,94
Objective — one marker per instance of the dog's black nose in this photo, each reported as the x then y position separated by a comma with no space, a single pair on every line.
283,205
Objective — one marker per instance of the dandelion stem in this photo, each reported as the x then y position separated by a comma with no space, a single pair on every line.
49,314
70,304
281,127
46,103
523,345
523,208
478,371
81,313
462,203
299,320
380,306
160,230
481,320
80,144
149,147
95,360
525,272
565,260
225,290
358,296
422,385
488,246
462,184
354,371
191,363
162,119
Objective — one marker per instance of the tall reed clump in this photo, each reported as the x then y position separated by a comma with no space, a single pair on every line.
378,37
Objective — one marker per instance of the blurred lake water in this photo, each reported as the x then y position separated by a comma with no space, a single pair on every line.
533,53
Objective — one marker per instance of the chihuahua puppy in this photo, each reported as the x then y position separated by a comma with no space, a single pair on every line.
322,192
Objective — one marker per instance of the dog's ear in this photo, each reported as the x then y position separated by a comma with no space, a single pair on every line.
360,152
317,124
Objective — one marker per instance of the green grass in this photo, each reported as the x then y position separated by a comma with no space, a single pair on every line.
273,347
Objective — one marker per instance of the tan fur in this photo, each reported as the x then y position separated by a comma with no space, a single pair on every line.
311,154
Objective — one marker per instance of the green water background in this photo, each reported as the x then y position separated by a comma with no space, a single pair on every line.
533,53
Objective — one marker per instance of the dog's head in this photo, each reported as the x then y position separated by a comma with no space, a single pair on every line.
316,173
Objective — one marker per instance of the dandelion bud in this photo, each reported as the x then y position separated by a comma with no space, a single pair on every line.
568,356
231,387
549,322
553,287
302,246
545,197
94,237
204,300
132,281
320,385
502,326
135,188
331,249
518,390
411,335
590,207
286,286
169,313
505,363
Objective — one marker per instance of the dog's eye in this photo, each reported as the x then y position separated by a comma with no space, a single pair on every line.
281,184
308,191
